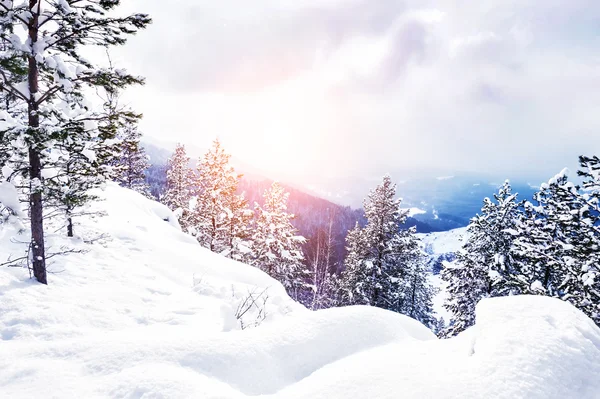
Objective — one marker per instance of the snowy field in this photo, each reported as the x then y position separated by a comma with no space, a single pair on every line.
145,312
437,244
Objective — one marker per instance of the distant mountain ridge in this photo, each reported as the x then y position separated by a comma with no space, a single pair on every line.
447,201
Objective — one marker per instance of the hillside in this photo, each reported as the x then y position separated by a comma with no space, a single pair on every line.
145,312
440,247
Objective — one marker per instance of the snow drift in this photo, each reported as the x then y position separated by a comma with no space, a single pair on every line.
145,312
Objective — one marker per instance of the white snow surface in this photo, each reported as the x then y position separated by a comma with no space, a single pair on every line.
414,211
147,313
439,243
443,242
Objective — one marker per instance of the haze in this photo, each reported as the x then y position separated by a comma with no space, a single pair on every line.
360,87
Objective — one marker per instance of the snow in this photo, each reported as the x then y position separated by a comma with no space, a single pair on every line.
440,298
444,242
438,244
9,197
521,347
146,312
413,211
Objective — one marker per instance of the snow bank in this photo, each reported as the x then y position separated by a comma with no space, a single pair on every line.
141,270
262,360
521,347
145,312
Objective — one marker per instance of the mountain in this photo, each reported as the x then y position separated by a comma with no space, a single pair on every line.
444,201
447,201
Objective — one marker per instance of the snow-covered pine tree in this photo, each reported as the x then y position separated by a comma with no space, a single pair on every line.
587,243
391,249
130,166
48,89
467,283
418,293
72,170
352,283
382,266
180,183
541,244
213,220
276,245
485,265
561,239
238,232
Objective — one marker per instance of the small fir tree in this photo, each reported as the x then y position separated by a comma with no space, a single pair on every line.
130,166
277,247
180,183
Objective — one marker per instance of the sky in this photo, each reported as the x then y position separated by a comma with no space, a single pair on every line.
343,88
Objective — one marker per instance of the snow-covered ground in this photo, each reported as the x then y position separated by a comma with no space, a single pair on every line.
146,313
438,245
443,242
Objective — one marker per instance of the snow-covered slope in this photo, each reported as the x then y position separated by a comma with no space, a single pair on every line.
521,347
443,242
440,248
145,312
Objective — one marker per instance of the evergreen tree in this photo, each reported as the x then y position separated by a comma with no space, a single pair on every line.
384,265
180,182
213,219
238,234
75,171
353,282
561,239
130,166
418,294
440,326
486,264
48,89
276,245
543,244
587,242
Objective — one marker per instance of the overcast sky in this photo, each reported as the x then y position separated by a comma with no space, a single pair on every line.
346,87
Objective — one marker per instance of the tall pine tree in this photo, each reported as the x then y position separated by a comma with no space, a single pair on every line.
213,219
384,266
276,245
48,89
486,264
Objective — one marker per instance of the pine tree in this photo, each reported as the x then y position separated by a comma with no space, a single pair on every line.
561,239
48,90
418,294
276,244
353,282
130,166
213,219
588,239
486,264
543,235
238,235
384,266
180,182
75,171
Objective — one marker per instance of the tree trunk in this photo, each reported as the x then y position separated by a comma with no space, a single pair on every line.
69,226
35,164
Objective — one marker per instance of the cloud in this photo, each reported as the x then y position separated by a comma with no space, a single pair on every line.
509,87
